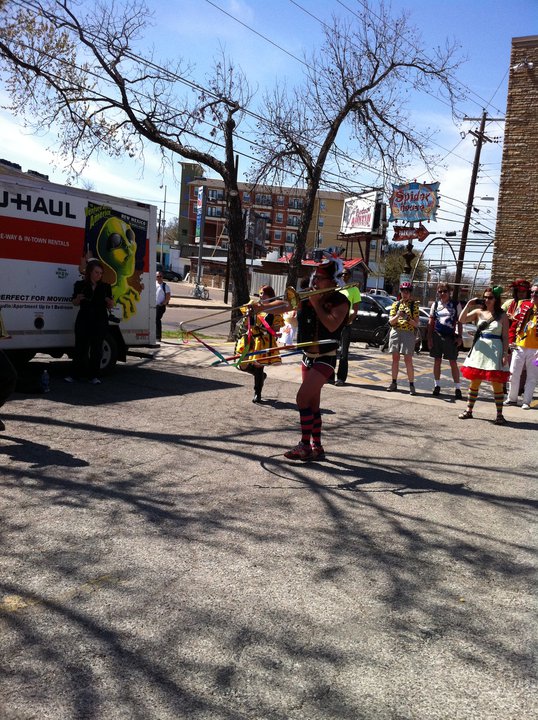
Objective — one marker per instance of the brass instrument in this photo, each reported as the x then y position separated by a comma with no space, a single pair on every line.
294,298
291,299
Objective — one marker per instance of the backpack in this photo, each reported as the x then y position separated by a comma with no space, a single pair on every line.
456,315
412,304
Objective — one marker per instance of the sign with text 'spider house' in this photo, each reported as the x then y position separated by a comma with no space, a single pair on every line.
413,202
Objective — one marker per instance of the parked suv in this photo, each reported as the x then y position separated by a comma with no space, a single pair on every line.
377,291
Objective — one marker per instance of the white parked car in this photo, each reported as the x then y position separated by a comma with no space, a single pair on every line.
373,291
468,329
468,333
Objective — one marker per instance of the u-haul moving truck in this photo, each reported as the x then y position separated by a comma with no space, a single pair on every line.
45,230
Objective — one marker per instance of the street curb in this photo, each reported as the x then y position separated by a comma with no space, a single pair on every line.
202,305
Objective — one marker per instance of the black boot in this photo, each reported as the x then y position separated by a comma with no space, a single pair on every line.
259,379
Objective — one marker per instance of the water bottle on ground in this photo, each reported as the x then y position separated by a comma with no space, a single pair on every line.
45,381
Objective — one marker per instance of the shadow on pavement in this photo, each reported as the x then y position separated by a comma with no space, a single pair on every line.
190,572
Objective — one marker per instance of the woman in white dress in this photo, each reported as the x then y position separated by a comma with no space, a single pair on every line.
488,359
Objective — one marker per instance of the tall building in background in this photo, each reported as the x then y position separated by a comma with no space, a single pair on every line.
280,207
189,171
516,236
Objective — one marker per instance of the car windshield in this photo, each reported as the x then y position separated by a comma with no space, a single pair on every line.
384,300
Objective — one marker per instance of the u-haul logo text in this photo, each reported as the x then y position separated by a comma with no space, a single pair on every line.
56,208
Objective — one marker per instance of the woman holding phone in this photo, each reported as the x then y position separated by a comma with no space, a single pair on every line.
488,358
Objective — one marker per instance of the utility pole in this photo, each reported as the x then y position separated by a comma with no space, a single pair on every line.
481,138
233,193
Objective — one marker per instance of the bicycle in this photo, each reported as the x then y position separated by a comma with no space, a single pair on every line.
380,337
200,292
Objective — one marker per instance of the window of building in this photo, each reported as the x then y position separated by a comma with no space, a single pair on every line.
293,220
264,199
280,200
291,237
215,195
296,203
246,197
322,205
278,236
321,222
214,211
279,218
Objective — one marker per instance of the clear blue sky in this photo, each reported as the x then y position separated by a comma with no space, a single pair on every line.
196,29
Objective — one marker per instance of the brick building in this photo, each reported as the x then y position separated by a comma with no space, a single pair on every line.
516,241
280,207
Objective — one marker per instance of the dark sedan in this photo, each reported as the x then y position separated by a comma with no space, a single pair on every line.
371,315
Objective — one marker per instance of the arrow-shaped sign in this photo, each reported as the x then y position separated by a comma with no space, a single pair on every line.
410,233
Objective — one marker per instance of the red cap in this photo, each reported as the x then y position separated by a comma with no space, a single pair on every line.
521,284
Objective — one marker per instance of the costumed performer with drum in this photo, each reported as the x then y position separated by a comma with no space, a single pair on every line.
259,330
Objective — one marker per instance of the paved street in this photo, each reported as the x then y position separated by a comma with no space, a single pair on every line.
161,559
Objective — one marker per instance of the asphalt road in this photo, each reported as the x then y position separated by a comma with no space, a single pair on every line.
161,559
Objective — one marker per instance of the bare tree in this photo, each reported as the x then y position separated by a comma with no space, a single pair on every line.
79,75
356,82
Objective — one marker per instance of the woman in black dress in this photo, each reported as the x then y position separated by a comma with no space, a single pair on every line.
93,297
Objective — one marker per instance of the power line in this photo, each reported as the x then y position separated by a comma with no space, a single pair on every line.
319,20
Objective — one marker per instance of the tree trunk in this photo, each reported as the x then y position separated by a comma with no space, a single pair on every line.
236,258
294,270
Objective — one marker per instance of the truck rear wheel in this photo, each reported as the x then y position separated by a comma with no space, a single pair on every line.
20,358
109,358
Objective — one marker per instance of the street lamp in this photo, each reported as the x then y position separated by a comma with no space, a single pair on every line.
162,228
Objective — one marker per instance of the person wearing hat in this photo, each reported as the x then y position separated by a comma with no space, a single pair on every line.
320,319
488,358
523,337
521,289
404,320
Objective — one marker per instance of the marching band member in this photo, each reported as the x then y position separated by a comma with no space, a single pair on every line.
259,332
319,317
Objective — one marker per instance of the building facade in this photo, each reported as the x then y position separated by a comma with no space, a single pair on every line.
516,235
281,209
